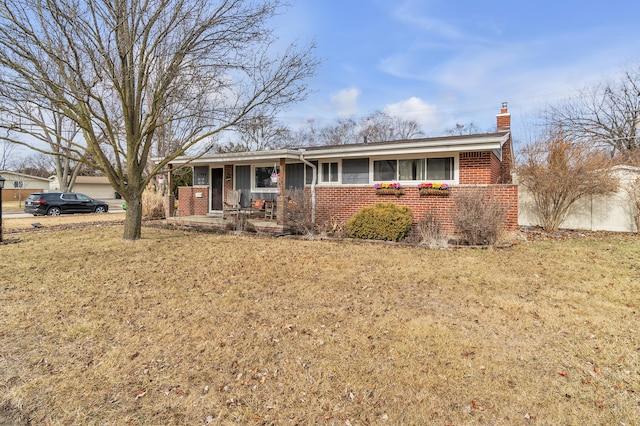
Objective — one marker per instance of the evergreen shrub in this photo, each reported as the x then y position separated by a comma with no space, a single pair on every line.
384,221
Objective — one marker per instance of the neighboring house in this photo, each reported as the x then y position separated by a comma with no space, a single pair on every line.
93,186
18,186
341,178
615,212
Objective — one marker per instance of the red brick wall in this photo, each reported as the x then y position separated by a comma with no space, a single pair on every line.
507,162
503,120
477,168
189,205
340,203
14,194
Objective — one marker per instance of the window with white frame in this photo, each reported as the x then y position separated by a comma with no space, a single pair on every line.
262,177
355,171
329,172
440,168
385,170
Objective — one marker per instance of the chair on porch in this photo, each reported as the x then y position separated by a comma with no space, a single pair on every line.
232,203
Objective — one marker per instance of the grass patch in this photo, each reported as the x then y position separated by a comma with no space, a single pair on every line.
186,328
21,224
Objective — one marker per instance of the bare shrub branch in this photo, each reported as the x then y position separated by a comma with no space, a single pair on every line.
633,189
430,232
298,213
479,215
558,171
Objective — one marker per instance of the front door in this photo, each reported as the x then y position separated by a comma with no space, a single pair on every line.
216,188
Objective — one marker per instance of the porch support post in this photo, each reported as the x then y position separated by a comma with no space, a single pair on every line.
170,210
282,184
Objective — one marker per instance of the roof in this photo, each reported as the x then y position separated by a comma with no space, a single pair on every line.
88,179
93,179
5,173
478,142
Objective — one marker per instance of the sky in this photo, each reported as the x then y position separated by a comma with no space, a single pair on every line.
442,62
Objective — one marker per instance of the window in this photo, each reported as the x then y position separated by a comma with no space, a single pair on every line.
355,171
385,169
329,172
309,173
200,175
262,177
440,168
413,169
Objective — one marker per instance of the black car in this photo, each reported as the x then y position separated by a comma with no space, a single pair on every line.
56,203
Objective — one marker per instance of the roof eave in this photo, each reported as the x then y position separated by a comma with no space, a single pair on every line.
489,142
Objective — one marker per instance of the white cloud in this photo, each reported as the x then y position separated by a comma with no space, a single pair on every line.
345,102
414,109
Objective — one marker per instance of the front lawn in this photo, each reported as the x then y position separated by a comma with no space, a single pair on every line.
189,329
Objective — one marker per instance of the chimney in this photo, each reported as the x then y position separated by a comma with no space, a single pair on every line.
504,118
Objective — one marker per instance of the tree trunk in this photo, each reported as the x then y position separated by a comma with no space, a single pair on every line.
133,219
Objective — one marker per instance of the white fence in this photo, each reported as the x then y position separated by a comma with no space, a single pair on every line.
597,213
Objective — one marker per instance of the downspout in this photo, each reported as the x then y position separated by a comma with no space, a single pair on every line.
313,187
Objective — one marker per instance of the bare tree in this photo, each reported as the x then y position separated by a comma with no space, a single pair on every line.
381,127
126,70
461,129
607,114
7,158
344,131
259,134
36,164
376,127
558,172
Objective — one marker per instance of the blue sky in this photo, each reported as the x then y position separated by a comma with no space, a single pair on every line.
441,62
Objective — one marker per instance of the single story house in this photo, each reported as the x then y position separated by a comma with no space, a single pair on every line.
94,186
342,179
18,186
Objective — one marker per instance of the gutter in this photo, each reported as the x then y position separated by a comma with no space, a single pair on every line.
313,186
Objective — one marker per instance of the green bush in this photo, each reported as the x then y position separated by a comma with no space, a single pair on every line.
384,221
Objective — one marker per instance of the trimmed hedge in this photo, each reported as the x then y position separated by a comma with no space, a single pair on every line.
384,221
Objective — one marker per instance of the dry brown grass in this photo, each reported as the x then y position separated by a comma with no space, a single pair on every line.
17,225
185,328
12,207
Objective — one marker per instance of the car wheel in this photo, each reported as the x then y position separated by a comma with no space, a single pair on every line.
101,209
53,211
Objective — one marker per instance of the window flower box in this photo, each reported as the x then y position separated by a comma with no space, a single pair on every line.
435,189
389,189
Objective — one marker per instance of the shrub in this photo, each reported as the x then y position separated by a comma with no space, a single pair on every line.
384,221
558,171
334,227
239,224
298,213
633,189
430,233
479,216
152,205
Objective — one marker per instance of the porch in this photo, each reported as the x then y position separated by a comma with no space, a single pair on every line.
217,222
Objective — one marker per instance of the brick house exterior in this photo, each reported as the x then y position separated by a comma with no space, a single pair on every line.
342,177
